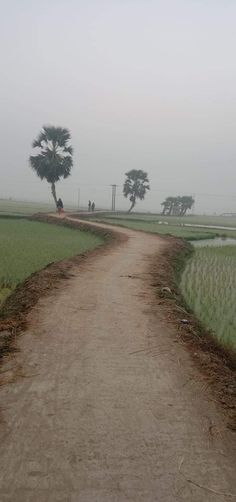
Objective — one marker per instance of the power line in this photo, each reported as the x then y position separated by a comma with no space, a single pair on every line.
105,187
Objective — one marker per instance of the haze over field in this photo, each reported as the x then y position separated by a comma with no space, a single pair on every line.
141,85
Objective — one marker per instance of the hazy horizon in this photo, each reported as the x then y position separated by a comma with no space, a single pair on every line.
140,84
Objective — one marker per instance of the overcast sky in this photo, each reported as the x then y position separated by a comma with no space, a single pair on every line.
146,84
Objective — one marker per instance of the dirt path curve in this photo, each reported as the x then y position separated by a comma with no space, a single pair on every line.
109,408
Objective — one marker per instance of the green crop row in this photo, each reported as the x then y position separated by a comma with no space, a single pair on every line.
209,288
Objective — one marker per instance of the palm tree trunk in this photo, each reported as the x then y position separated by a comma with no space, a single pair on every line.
53,188
131,207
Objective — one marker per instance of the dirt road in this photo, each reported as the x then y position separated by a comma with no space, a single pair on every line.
106,405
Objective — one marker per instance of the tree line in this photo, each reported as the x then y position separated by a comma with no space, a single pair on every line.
54,161
177,206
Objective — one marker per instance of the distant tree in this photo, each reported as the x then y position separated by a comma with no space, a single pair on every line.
54,161
176,210
187,202
177,206
135,186
168,205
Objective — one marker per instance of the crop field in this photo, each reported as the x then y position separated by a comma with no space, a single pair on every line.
224,221
188,233
209,280
209,288
11,207
27,246
18,208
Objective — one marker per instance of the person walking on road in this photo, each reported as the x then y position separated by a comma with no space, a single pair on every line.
60,206
89,205
93,206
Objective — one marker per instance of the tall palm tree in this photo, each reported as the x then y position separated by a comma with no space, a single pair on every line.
135,186
55,158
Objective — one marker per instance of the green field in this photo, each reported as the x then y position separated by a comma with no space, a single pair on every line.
209,288
224,221
9,206
12,207
209,280
188,233
27,246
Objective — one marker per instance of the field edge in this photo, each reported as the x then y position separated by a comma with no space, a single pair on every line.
13,312
216,363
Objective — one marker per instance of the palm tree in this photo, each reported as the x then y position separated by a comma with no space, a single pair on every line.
135,186
177,206
187,202
55,158
168,205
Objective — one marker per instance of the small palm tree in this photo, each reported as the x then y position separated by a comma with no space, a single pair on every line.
55,158
135,186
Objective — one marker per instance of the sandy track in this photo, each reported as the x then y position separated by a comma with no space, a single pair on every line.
108,406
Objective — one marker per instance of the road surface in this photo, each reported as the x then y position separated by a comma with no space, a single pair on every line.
105,404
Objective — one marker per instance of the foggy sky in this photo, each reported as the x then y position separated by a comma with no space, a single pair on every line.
146,84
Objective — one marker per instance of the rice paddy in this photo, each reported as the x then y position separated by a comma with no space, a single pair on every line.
28,246
208,282
177,230
24,208
209,288
225,221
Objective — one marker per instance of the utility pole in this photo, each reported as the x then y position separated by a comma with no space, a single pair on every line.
193,208
113,197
